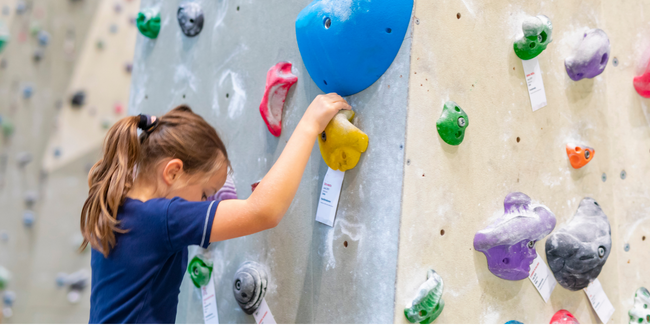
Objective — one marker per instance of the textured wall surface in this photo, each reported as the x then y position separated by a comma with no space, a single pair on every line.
35,255
221,74
462,51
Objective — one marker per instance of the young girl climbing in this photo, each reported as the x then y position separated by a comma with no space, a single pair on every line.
147,203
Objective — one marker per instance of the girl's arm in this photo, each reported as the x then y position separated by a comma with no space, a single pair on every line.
269,202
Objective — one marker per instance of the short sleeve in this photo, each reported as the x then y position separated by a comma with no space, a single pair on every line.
190,223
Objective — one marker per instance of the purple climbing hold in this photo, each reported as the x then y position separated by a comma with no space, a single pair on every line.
509,242
590,57
227,192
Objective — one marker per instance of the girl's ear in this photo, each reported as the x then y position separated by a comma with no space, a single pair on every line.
172,171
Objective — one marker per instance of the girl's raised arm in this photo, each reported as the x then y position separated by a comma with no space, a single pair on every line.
269,202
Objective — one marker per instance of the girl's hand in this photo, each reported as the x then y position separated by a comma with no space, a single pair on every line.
323,109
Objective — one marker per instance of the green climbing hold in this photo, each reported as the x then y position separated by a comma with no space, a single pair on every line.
148,23
4,39
537,35
7,128
452,124
428,303
640,314
199,271
5,276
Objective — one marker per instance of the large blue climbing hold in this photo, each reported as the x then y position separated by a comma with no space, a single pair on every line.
346,45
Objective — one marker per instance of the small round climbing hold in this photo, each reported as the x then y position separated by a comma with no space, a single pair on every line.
615,62
113,29
626,247
190,18
78,99
21,7
128,67
8,298
38,55
249,286
28,91
623,174
28,219
604,177
43,38
57,152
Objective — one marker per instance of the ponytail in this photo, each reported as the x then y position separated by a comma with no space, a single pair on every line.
109,181
180,134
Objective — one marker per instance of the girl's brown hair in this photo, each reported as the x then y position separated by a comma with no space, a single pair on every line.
179,134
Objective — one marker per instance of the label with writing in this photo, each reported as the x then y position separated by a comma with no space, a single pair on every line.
210,314
329,197
599,301
263,314
535,83
542,278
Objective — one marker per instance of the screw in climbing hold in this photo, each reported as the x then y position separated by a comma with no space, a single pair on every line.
626,247
27,92
28,219
623,174
190,18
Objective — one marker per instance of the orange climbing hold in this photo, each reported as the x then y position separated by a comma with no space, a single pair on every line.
579,156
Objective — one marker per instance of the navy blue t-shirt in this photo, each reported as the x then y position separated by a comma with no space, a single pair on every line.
140,280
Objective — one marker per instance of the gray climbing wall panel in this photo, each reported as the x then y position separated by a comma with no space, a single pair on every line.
221,74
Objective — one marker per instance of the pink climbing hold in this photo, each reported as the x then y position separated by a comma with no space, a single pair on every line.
278,81
642,83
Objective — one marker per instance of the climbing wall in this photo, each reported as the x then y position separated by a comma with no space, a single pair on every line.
462,51
316,273
44,125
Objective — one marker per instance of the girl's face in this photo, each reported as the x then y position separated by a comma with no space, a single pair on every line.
197,187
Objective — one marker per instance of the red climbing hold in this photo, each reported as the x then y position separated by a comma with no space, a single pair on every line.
278,81
642,83
579,156
563,317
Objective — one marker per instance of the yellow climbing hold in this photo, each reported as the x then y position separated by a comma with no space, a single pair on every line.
342,143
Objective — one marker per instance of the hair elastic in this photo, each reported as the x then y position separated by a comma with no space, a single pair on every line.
147,123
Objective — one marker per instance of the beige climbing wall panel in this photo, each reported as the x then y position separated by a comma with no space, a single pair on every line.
462,51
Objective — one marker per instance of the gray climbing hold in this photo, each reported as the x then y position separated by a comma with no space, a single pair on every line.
113,29
249,286
21,7
38,55
190,18
78,99
30,198
578,250
24,158
8,298
57,152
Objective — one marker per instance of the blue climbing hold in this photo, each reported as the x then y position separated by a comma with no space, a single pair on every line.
27,92
347,45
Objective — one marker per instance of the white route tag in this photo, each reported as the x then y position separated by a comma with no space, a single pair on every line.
542,278
210,314
535,83
599,301
329,197
263,314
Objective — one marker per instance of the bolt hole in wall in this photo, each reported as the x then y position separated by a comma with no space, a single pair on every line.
442,232
518,139
345,243
458,15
